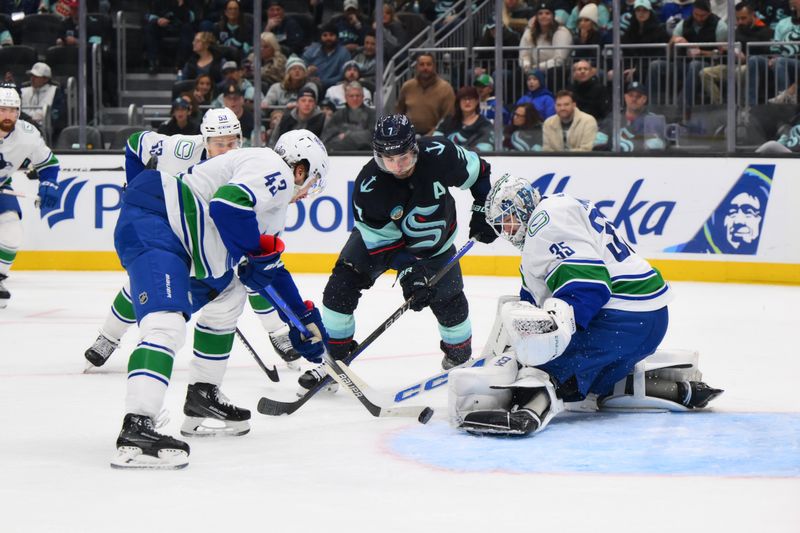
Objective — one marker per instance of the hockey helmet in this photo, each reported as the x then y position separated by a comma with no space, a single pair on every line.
394,135
511,196
302,146
9,97
219,123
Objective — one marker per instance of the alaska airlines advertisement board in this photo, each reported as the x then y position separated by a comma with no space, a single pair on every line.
729,210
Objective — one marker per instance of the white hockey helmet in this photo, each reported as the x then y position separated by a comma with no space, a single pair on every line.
298,146
511,196
9,97
219,123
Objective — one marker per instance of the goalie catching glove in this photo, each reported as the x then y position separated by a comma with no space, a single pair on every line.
539,335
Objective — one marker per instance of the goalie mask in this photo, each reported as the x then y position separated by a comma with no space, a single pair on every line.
509,206
302,146
220,123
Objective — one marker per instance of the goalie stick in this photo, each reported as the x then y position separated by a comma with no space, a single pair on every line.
345,376
268,406
272,373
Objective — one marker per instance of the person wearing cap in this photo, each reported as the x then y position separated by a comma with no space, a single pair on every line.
273,62
284,93
538,95
351,26
545,31
484,84
326,58
233,29
640,129
645,28
426,98
305,116
288,31
43,94
598,14
466,126
350,128
336,94
590,94
232,73
233,99
570,129
180,122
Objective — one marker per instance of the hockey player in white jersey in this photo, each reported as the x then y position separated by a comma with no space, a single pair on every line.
20,141
179,240
591,312
174,154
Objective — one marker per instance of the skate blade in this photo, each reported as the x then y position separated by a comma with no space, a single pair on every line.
132,458
209,427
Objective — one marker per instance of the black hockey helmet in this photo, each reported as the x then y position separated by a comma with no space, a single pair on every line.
394,135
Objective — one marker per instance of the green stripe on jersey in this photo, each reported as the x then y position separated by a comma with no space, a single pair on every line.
234,195
569,272
52,162
190,214
134,141
210,343
639,287
148,359
259,303
7,256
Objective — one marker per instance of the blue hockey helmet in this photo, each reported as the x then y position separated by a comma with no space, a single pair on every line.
394,136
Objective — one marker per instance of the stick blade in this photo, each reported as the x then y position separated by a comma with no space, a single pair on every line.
267,406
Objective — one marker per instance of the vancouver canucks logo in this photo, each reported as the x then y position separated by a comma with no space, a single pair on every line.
435,146
416,227
68,191
735,225
397,212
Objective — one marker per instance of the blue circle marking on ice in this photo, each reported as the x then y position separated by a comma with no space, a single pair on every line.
701,444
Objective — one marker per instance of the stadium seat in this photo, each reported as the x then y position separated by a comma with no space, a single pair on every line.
18,60
68,138
40,31
121,137
63,61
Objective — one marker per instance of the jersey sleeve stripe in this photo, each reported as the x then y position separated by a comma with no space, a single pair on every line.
566,273
235,196
473,167
376,238
50,161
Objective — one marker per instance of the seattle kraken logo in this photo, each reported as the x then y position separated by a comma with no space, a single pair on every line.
68,191
415,226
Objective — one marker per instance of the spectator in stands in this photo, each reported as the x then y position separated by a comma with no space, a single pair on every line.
486,39
233,98
465,126
288,31
674,11
194,109
29,7
640,130
748,29
351,26
203,92
516,14
570,129
204,60
305,115
285,93
702,27
273,62
589,32
771,11
180,122
326,58
233,73
365,57
70,31
544,30
395,35
426,98
327,107
524,134
538,95
336,94
782,59
484,84
168,17
645,28
233,29
351,127
589,92
43,92
788,139
601,18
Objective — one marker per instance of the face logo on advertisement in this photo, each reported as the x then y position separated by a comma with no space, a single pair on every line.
397,213
67,195
735,225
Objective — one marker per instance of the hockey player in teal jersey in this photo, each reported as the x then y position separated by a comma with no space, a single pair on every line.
173,154
20,142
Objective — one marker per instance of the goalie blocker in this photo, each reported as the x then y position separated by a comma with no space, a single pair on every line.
510,396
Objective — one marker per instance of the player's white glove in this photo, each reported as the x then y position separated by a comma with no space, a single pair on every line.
539,335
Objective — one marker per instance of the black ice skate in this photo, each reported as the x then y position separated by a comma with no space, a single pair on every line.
501,422
309,379
455,354
101,350
283,346
139,445
698,394
5,296
210,414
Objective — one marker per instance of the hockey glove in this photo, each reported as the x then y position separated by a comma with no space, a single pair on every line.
259,270
479,229
48,195
313,348
415,283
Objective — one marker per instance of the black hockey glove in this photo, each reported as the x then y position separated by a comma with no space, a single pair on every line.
415,283
479,229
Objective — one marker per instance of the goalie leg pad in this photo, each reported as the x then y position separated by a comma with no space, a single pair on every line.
471,389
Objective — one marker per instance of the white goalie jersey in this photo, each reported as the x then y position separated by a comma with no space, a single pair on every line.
573,252
249,179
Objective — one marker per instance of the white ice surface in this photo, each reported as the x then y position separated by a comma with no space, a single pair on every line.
332,467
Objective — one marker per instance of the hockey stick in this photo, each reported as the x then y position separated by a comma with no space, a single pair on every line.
268,406
433,382
345,376
272,373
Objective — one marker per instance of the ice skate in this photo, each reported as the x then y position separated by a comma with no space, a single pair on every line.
283,347
4,294
210,414
309,379
100,351
500,422
698,394
455,354
139,445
